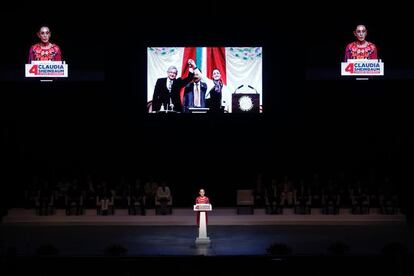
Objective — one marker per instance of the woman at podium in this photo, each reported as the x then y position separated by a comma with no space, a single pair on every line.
44,50
361,49
201,199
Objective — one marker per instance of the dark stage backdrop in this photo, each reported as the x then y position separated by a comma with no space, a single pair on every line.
72,128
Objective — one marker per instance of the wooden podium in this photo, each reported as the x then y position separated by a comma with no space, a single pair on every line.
202,230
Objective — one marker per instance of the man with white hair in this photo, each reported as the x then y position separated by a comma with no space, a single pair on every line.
167,90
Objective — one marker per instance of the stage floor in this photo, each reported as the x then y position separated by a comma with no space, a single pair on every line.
180,240
237,242
230,234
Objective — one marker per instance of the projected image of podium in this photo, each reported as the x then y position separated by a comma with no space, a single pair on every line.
202,229
198,109
247,102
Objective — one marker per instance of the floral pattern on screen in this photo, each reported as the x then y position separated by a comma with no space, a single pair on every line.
246,53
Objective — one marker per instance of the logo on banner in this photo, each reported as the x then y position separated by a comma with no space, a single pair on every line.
359,67
362,67
52,70
47,69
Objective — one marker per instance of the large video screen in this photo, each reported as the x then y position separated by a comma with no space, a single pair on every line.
204,79
357,47
53,48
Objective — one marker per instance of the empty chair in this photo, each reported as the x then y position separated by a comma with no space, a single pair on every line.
45,204
163,200
74,201
163,206
136,205
245,202
303,204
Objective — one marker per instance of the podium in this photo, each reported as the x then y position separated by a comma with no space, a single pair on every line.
362,67
202,230
246,102
198,109
46,69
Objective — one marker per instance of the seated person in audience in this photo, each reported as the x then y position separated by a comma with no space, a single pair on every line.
163,196
272,198
302,198
90,194
137,198
105,202
389,202
74,199
45,202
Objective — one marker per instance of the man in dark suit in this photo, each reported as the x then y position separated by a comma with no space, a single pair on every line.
195,94
167,90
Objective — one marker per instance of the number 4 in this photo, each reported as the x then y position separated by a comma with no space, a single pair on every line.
350,68
33,70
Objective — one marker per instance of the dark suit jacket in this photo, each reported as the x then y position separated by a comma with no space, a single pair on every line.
189,96
162,95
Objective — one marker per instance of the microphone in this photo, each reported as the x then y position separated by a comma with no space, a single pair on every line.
238,88
253,88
